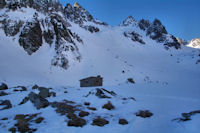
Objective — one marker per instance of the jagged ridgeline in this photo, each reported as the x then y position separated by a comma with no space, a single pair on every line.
34,23
49,24
154,30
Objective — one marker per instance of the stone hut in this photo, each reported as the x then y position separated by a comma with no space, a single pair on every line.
91,81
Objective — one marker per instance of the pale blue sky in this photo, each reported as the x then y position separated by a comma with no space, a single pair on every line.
180,17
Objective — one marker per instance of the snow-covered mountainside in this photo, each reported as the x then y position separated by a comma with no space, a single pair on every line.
142,65
195,43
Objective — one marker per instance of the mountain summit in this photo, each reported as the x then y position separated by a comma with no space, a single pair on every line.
194,43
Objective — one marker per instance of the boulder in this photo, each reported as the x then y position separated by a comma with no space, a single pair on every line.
39,120
123,121
99,93
2,93
77,122
5,103
71,115
100,122
108,106
144,113
38,101
83,113
3,86
44,92
130,80
86,103
35,87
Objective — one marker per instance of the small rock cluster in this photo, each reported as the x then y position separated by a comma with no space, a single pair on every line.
24,121
134,36
102,93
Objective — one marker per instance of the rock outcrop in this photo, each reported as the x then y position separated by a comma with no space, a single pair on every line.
38,101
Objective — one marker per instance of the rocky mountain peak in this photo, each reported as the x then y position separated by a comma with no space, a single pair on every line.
77,14
154,30
129,21
195,43
77,5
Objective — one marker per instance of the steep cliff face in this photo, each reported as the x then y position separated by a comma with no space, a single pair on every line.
41,22
31,36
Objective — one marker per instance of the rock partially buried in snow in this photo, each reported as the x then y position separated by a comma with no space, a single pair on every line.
2,93
38,101
100,122
5,103
44,92
123,121
22,88
63,108
144,113
35,87
187,116
24,121
92,108
130,80
108,106
77,122
39,120
86,103
101,94
24,101
83,113
3,86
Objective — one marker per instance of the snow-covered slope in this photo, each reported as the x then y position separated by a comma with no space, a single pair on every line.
166,74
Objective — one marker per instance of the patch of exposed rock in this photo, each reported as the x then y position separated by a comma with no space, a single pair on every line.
38,101
2,93
31,36
144,113
24,122
83,113
76,122
3,86
108,106
63,108
100,122
123,121
6,103
187,116
134,36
